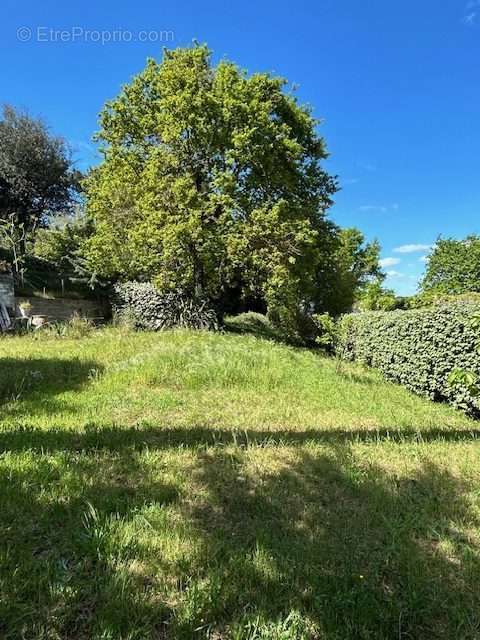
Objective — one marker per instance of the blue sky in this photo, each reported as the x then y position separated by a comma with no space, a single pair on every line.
396,83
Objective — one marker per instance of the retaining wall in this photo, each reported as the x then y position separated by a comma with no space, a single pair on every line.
60,309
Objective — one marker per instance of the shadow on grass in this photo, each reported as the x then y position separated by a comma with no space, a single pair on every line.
356,550
116,438
360,377
256,325
70,551
359,553
30,385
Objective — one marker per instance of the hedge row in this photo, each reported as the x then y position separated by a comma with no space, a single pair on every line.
418,348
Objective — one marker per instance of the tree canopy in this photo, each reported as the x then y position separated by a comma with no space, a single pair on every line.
37,178
453,267
211,179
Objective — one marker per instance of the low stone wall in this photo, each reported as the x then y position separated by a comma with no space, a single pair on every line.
61,309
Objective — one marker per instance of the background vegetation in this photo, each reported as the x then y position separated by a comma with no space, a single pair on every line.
453,267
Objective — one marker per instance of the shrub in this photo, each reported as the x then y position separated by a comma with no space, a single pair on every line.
327,332
418,348
142,305
297,325
468,379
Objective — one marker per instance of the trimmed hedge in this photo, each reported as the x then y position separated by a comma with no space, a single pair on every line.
144,306
417,348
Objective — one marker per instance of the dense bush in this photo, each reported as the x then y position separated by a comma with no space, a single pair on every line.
143,305
418,348
327,332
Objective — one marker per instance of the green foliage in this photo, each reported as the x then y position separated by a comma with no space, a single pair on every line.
419,348
327,332
347,269
453,267
62,242
144,306
62,245
468,379
375,297
293,322
37,178
432,297
211,180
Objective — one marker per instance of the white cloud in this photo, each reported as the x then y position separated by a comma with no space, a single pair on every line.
412,248
470,18
373,208
389,262
379,208
397,275
423,258
471,13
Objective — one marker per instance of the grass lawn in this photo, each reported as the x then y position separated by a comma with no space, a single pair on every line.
188,485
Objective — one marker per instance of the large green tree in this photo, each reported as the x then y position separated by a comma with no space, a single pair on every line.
453,267
211,179
37,178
